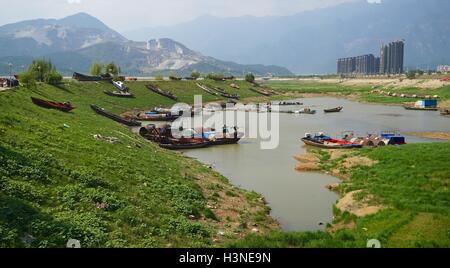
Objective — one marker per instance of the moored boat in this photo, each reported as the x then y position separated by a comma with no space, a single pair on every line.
120,86
445,112
304,111
333,110
87,78
161,92
322,141
127,122
156,117
431,109
62,106
119,94
207,89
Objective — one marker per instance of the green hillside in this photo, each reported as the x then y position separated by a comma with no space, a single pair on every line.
58,182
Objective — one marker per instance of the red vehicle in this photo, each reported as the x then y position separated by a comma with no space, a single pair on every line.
65,107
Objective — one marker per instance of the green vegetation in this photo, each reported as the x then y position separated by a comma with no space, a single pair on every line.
411,75
112,68
59,182
195,75
250,78
215,76
410,181
97,69
40,70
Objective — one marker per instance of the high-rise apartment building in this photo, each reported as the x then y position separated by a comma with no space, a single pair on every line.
390,61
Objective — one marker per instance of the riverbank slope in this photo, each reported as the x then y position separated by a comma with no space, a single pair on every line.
62,177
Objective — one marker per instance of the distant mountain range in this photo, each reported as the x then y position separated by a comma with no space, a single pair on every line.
74,43
311,41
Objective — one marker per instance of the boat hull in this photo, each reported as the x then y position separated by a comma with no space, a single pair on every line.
52,105
420,109
119,95
330,146
162,93
130,123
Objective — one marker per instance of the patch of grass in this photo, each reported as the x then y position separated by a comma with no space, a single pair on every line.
57,182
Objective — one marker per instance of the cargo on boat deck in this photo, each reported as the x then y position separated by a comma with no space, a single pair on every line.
322,141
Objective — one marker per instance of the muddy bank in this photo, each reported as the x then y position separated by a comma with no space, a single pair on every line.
430,135
338,163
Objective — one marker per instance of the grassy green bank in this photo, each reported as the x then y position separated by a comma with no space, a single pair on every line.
58,182
410,183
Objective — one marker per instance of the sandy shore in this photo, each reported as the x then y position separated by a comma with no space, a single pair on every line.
395,83
431,135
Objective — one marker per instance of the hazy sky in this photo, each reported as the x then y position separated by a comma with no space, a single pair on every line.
131,14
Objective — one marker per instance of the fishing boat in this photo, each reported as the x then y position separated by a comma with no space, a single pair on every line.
120,86
156,134
288,103
120,94
305,111
265,93
161,92
62,106
184,146
127,122
431,109
207,89
333,110
322,141
157,117
227,136
376,140
445,112
87,78
424,105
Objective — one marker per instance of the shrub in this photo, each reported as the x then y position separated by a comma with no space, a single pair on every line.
28,79
53,77
195,75
250,78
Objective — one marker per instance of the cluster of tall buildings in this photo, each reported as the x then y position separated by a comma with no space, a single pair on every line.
390,61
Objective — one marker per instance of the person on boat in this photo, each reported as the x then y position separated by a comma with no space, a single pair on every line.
235,132
224,131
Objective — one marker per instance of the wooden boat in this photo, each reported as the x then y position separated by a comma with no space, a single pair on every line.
414,108
101,111
65,107
304,111
326,142
207,89
229,96
445,112
119,94
184,146
260,92
87,78
161,92
156,134
157,117
288,103
333,110
120,86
